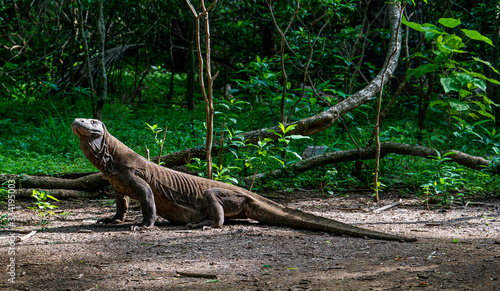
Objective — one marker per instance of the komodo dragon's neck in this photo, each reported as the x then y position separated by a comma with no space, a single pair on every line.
109,155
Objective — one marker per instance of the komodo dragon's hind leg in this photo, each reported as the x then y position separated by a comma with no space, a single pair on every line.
215,210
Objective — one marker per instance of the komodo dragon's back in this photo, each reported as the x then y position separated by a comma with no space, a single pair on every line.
187,199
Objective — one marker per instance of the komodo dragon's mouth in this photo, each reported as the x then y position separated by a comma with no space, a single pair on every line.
82,129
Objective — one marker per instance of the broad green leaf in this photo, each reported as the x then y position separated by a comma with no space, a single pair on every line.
431,31
463,93
477,36
458,106
481,76
413,25
451,43
465,78
449,22
268,75
480,84
450,84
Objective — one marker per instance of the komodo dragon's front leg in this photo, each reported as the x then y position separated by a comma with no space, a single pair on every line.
127,183
122,203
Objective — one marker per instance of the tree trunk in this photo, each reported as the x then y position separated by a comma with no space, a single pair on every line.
190,66
87,69
101,31
90,182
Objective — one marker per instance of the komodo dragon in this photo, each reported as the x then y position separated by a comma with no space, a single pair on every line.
186,199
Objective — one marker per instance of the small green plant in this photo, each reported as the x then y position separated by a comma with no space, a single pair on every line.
4,221
160,142
43,206
223,174
267,150
444,179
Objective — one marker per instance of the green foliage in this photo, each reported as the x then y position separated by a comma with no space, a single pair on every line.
456,76
444,179
43,207
322,50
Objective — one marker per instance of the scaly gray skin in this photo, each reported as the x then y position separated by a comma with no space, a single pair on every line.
189,200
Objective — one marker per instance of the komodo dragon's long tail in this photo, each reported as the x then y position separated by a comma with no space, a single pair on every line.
275,214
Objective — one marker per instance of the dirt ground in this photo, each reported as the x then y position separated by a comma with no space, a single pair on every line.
457,249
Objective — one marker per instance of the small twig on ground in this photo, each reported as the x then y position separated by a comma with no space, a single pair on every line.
20,239
15,230
387,206
197,275
430,256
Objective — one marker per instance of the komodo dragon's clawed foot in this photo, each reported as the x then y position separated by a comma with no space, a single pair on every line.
108,220
204,224
141,227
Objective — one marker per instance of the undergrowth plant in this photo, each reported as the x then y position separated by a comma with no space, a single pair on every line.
43,207
444,179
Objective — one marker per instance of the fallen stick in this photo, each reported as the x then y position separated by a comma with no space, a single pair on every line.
20,239
387,207
15,230
430,256
197,275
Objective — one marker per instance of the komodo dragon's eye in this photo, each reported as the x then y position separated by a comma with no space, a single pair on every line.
93,122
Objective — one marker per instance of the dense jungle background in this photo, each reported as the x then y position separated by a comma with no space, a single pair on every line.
379,114
276,63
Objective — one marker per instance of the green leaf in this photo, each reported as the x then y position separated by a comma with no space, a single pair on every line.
413,25
449,22
52,197
450,84
477,36
450,43
486,114
463,93
438,102
486,63
480,84
458,106
422,70
431,31
213,281
481,76
464,79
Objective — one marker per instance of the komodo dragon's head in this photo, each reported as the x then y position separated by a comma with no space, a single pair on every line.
94,141
89,129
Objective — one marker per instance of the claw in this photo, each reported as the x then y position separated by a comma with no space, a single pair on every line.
108,220
140,227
